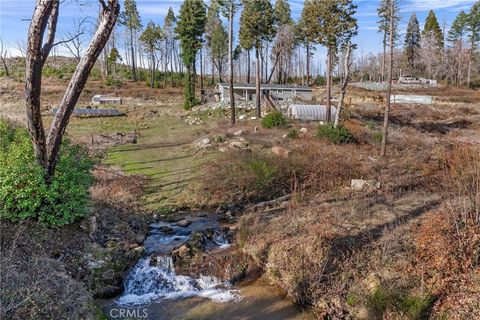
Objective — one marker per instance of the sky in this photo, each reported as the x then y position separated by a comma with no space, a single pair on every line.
14,15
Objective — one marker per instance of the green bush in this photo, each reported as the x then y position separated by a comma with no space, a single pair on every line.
416,307
338,135
292,134
24,194
273,120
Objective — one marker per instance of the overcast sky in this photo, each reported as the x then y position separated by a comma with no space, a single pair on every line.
13,15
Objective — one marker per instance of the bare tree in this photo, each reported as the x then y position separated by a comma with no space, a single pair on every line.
393,25
347,64
3,57
73,40
44,20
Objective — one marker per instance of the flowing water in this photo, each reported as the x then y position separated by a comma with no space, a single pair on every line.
153,290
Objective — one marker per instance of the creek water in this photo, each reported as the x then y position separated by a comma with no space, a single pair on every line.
153,290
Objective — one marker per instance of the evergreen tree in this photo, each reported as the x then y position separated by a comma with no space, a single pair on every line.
458,30
217,37
333,23
412,43
432,30
130,18
190,28
169,34
256,26
150,39
474,26
383,24
282,12
305,38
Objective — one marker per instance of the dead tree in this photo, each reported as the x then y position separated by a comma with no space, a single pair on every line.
347,64
73,41
4,57
392,35
44,20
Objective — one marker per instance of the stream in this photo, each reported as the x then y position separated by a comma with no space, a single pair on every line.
153,290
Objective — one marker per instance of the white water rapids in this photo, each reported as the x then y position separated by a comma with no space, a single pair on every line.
151,281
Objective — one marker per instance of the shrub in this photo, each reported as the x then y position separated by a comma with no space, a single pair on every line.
274,120
292,134
416,307
24,193
338,135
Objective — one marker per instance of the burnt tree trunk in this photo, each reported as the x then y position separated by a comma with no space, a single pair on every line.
257,83
230,62
328,101
248,66
383,150
46,12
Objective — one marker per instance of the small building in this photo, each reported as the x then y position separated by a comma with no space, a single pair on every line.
310,112
247,91
411,80
105,99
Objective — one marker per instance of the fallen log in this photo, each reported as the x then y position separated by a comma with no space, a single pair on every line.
269,203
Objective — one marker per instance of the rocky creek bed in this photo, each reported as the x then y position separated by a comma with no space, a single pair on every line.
190,269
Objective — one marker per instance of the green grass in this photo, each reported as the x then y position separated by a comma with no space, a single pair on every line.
164,153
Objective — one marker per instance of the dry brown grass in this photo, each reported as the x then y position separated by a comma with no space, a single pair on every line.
112,187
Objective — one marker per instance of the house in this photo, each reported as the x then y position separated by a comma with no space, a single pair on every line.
246,91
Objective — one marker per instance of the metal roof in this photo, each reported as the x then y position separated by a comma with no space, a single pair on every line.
79,112
266,86
309,112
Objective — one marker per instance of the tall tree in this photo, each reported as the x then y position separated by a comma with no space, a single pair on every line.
217,38
412,44
229,9
306,38
130,18
256,26
393,19
432,28
474,35
190,28
383,24
168,32
334,24
282,13
456,37
284,40
151,39
44,20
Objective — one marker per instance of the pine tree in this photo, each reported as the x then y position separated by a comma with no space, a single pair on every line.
432,30
190,28
256,26
474,26
282,12
333,23
412,43
458,30
305,38
217,37
150,39
382,12
168,31
130,18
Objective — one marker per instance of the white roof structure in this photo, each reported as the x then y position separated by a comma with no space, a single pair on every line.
309,112
403,98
